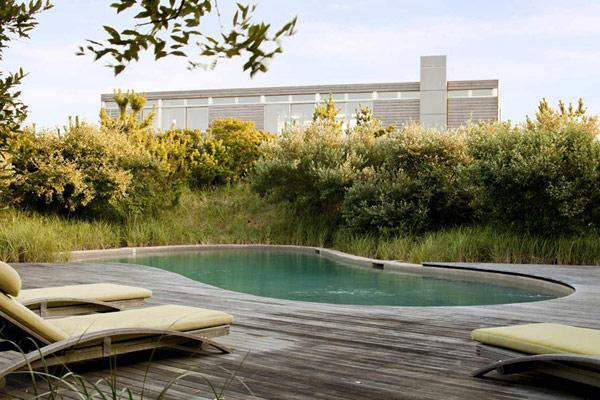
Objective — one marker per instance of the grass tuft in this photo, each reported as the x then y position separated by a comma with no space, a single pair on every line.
236,215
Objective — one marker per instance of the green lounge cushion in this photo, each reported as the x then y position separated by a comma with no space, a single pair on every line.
543,338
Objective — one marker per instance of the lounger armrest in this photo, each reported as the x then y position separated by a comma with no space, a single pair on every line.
42,306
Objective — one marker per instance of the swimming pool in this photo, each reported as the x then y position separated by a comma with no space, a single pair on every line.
309,277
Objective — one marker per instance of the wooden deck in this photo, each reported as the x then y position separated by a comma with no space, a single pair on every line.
293,350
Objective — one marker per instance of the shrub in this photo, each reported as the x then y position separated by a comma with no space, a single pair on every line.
129,120
242,142
200,161
328,114
415,185
373,181
310,167
88,172
224,155
542,177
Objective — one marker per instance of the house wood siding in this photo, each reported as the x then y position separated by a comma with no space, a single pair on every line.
474,84
475,109
396,112
245,112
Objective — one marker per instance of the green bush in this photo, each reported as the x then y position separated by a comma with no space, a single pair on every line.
242,142
88,172
200,161
415,185
542,177
130,120
224,155
310,168
388,181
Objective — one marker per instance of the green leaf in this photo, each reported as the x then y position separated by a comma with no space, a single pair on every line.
112,32
118,69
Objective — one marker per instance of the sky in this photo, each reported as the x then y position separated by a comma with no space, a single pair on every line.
536,49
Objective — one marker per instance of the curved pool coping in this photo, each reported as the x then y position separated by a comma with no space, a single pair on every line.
440,270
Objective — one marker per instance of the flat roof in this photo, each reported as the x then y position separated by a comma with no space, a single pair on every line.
309,89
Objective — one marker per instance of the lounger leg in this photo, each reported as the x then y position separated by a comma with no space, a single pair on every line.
205,345
480,372
508,367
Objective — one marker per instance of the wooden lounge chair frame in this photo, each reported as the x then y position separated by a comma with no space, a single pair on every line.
64,306
574,367
101,344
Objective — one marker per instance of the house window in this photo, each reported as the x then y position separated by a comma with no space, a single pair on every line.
458,94
223,100
410,95
172,102
249,99
360,96
172,118
387,95
303,97
277,99
482,93
197,102
302,114
197,118
277,116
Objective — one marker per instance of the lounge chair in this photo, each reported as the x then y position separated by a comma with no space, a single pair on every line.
78,299
565,351
82,299
58,341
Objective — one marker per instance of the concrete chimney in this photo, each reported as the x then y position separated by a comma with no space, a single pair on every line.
434,92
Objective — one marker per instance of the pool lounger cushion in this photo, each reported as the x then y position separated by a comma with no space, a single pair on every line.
168,317
73,299
541,338
560,350
108,292
10,281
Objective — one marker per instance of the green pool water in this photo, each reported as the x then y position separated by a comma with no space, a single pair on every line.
313,278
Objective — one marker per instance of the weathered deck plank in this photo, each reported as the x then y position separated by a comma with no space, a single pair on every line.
295,350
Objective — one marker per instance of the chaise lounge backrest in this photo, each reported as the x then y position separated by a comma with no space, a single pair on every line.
10,285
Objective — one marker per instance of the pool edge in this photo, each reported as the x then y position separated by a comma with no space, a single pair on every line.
561,288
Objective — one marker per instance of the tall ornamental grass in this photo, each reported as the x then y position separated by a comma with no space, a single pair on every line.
237,215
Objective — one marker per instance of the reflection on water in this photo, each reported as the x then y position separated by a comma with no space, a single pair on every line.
308,277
